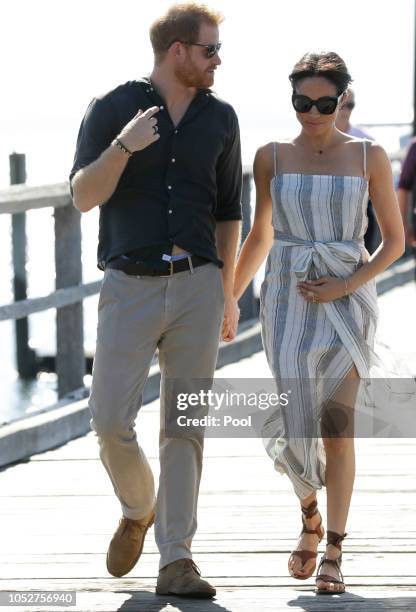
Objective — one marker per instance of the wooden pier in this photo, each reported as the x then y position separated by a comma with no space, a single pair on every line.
58,512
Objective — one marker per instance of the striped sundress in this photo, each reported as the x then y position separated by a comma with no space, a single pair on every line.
319,223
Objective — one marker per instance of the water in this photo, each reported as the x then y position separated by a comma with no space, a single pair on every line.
22,398
18,397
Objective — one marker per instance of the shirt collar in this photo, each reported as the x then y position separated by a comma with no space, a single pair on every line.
146,81
202,98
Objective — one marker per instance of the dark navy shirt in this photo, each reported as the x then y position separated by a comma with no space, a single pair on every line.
175,190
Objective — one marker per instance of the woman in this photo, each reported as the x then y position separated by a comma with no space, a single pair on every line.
318,298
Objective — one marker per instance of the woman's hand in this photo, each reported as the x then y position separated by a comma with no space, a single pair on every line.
324,289
230,321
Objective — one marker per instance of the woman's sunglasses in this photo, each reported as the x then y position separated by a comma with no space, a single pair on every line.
325,105
210,50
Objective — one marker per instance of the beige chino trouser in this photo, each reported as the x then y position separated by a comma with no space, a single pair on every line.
182,316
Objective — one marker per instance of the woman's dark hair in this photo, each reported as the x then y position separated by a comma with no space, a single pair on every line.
328,65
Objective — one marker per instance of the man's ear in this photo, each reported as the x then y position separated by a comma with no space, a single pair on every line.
175,49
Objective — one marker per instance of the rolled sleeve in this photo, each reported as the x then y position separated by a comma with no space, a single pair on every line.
229,177
408,172
97,130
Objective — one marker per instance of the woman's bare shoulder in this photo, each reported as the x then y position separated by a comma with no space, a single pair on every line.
267,151
264,155
378,159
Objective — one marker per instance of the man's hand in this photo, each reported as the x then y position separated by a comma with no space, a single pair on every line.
230,322
141,131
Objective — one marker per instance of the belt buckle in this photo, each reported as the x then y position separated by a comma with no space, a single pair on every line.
170,271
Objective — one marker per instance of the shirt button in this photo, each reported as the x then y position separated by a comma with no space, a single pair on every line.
162,107
169,186
176,131
170,211
173,160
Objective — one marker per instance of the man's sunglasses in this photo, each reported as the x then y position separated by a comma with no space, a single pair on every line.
211,50
325,105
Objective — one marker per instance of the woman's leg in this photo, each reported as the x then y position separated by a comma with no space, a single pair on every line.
338,437
307,542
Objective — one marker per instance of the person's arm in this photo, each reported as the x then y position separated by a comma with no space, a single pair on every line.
228,236
260,238
228,222
405,203
95,181
387,210
405,191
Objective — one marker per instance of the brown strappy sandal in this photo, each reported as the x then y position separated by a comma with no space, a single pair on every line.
305,555
335,539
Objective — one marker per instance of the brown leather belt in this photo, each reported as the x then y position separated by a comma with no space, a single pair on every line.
162,268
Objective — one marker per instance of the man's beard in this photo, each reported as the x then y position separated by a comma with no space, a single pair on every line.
189,76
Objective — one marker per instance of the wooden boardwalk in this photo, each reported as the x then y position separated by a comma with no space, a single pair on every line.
58,513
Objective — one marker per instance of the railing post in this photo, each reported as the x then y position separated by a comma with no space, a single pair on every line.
247,302
70,359
25,356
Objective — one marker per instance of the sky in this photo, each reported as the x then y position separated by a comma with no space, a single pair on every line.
57,55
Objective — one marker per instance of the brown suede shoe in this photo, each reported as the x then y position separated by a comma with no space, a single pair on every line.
127,544
183,578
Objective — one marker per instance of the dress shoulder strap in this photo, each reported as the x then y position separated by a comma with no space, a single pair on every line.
365,158
275,158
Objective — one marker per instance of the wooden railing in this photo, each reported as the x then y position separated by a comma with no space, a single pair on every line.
70,290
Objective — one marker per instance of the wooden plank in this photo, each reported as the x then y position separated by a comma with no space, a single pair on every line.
252,565
70,357
21,198
56,299
249,541
137,599
254,474
378,458
46,544
25,356
378,583
374,458
276,504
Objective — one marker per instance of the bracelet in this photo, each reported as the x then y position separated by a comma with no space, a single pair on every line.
121,146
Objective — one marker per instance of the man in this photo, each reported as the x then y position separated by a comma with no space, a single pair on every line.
406,194
372,237
343,119
161,156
